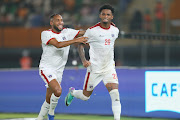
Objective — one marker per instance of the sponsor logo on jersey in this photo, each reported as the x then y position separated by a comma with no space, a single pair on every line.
101,35
91,86
50,76
64,38
162,91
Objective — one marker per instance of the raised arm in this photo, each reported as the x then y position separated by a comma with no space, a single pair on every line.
85,62
67,43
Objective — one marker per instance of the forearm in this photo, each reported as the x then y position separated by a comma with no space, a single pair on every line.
81,52
65,43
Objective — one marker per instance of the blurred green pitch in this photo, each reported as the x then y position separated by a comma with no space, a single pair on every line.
71,117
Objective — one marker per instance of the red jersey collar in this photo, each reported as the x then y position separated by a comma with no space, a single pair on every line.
103,27
56,32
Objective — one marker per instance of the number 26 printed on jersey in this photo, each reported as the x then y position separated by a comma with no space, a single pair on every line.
114,76
107,41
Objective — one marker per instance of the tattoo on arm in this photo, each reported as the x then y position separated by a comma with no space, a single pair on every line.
81,52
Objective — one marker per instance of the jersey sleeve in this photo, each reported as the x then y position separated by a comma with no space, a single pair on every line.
46,37
117,33
88,34
72,33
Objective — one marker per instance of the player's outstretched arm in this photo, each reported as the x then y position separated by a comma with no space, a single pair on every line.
81,33
67,43
81,52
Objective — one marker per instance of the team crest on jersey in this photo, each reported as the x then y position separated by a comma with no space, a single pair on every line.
50,76
91,86
64,38
112,35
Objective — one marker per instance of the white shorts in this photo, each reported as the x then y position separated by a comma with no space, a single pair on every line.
93,79
48,75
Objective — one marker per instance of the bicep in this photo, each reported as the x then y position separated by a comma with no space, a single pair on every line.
82,46
54,42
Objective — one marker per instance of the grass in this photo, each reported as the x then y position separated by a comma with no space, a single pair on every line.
71,117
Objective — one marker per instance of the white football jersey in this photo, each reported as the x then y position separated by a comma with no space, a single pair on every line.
101,52
55,58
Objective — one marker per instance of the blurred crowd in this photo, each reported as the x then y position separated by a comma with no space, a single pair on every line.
82,14
144,21
35,13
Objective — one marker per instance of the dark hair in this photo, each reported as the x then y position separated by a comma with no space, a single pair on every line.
52,16
106,6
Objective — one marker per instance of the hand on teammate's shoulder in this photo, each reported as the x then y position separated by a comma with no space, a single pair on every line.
82,40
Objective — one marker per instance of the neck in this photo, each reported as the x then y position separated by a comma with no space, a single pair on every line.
105,25
56,31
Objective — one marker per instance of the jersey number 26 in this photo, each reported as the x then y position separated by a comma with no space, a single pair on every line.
107,41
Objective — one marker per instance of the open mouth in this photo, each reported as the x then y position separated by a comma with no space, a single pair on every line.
60,27
105,20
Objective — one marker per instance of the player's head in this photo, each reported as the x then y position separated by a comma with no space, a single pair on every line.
106,13
56,22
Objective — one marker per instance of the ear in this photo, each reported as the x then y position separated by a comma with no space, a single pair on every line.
51,22
112,17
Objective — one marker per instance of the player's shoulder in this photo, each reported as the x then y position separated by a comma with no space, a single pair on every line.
114,26
65,30
98,25
94,26
46,32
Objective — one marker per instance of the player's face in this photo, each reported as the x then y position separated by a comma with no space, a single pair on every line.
106,16
57,23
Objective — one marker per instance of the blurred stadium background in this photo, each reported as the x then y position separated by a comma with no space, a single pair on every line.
149,39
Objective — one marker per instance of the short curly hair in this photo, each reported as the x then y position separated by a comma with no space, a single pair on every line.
106,6
52,16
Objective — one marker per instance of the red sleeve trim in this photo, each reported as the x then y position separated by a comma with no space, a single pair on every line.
98,24
49,40
77,34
